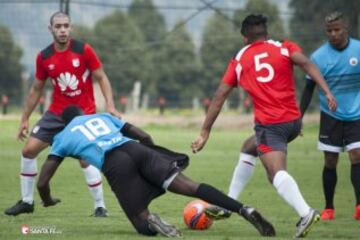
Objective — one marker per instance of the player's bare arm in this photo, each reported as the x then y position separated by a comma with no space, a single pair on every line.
214,109
29,105
100,76
136,133
47,172
302,61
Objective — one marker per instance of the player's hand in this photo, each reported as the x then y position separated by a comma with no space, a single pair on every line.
51,202
114,112
301,134
331,102
200,142
23,130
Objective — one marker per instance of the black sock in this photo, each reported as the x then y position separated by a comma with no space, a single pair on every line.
215,197
355,179
329,178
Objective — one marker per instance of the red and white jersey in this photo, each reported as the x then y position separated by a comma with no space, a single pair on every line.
70,73
264,69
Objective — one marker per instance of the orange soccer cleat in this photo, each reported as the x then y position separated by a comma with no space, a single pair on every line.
329,214
357,212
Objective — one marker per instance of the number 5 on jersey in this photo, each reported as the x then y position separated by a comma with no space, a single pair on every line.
260,64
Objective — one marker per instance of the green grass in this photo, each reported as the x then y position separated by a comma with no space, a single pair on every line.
213,165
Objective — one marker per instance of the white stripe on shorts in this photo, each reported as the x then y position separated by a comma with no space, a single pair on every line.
329,148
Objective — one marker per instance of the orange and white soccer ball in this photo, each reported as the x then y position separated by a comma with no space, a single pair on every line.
195,217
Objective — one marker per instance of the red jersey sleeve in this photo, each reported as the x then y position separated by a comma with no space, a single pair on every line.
40,73
230,76
92,60
292,47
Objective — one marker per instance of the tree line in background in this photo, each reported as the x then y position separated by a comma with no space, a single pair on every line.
136,46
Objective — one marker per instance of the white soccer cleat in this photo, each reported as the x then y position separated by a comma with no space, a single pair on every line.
305,223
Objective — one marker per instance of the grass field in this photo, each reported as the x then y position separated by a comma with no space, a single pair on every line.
213,165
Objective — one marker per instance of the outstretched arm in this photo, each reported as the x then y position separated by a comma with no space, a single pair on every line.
47,171
302,61
214,109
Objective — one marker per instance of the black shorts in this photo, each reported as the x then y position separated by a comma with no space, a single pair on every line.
337,135
275,137
136,174
47,127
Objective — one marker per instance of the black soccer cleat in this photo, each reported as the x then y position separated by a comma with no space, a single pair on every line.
100,212
259,222
217,213
19,208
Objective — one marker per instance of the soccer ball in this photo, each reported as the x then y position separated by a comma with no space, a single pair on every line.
194,215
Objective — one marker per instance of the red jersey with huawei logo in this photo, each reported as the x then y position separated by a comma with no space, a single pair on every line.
264,69
70,73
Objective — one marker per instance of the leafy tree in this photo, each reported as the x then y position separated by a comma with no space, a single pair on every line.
153,27
178,79
10,67
84,34
120,46
220,43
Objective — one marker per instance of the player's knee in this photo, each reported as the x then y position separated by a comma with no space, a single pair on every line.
29,152
330,163
83,164
249,146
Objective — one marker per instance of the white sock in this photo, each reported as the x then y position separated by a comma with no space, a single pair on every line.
289,191
93,180
28,172
242,174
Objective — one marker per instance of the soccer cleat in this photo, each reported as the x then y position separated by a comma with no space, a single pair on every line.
100,212
19,208
259,222
357,213
158,225
305,223
217,213
328,214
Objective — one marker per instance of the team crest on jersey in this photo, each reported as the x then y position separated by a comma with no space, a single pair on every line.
353,61
51,67
76,62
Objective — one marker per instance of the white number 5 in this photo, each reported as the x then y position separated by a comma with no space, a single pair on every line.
259,66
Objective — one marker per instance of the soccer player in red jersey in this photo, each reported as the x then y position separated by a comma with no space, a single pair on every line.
264,68
72,66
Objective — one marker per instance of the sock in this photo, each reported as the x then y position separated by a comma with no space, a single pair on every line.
28,173
213,196
93,180
329,178
289,191
355,179
242,174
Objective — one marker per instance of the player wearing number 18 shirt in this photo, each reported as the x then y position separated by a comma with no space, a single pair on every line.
137,172
264,68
